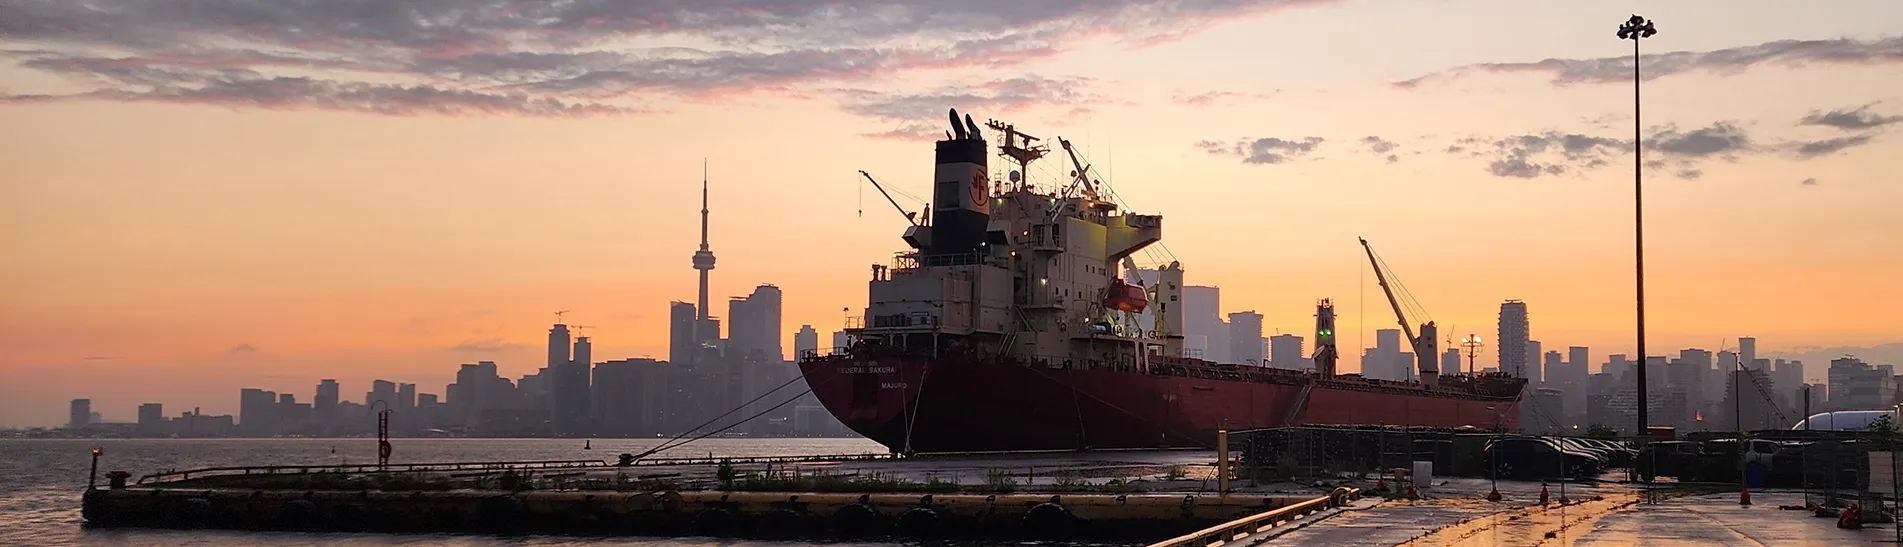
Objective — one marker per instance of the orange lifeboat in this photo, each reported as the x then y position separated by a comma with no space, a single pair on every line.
1125,297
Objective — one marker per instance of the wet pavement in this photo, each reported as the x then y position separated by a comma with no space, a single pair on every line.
1451,502
1603,515
1719,520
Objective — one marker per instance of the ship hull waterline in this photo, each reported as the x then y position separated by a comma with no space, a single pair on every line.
915,404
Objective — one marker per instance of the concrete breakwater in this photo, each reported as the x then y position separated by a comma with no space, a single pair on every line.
1121,518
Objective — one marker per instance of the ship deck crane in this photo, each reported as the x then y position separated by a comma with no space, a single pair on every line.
1426,349
909,216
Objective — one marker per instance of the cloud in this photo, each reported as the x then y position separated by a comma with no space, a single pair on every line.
1378,145
995,97
243,348
102,358
1548,153
1826,147
1381,147
1720,139
576,58
488,345
1667,146
1657,65
1212,97
1850,119
1270,150
1809,181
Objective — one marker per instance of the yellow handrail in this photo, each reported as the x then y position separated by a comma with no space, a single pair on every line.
1249,525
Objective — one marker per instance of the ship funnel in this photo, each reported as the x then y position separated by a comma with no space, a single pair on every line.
961,191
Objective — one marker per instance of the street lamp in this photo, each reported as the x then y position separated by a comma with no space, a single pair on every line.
1635,28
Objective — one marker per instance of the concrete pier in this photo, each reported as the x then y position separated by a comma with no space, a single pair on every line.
674,513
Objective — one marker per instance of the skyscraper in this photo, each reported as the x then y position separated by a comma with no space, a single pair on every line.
1535,371
1386,360
753,324
324,405
1202,316
1748,352
1513,338
682,343
570,389
1245,337
1286,351
805,341
80,413
1450,361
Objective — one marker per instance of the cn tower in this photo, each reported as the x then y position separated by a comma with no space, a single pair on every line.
703,261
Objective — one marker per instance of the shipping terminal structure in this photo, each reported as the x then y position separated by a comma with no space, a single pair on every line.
1009,325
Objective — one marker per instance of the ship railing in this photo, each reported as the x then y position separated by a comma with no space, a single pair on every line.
493,467
913,260
1253,524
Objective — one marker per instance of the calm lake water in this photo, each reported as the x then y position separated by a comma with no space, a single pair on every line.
41,480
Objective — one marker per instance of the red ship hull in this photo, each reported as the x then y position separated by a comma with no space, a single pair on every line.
924,404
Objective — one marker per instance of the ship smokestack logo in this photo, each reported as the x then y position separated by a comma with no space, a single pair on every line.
979,194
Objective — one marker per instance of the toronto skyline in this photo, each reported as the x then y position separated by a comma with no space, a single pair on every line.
193,206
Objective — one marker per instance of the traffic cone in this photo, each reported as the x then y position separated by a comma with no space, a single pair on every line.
1542,494
1744,493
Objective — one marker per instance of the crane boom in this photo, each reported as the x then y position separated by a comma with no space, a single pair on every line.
1426,347
1383,280
909,216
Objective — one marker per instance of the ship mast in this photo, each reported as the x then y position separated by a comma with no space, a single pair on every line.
1024,155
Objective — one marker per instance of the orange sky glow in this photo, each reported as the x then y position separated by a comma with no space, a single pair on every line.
179,223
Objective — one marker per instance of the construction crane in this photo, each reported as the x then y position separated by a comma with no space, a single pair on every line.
578,329
558,316
1426,347
909,216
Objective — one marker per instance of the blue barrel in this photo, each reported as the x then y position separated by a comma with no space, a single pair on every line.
1754,473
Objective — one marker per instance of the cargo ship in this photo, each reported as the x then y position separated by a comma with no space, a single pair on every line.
1017,321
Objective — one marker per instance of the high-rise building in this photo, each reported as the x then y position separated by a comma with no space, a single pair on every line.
805,342
381,391
1245,337
753,325
570,390
1450,361
1286,351
405,396
681,343
151,418
258,411
1386,360
1535,373
79,414
1551,370
1202,317
324,404
841,339
1513,338
622,406
1748,352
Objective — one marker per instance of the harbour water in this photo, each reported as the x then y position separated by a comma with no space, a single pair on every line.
41,480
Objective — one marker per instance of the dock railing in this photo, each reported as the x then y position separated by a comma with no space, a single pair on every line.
1253,524
495,467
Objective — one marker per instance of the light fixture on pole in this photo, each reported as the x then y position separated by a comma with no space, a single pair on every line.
1634,29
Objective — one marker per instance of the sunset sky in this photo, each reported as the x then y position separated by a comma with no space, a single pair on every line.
202,195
